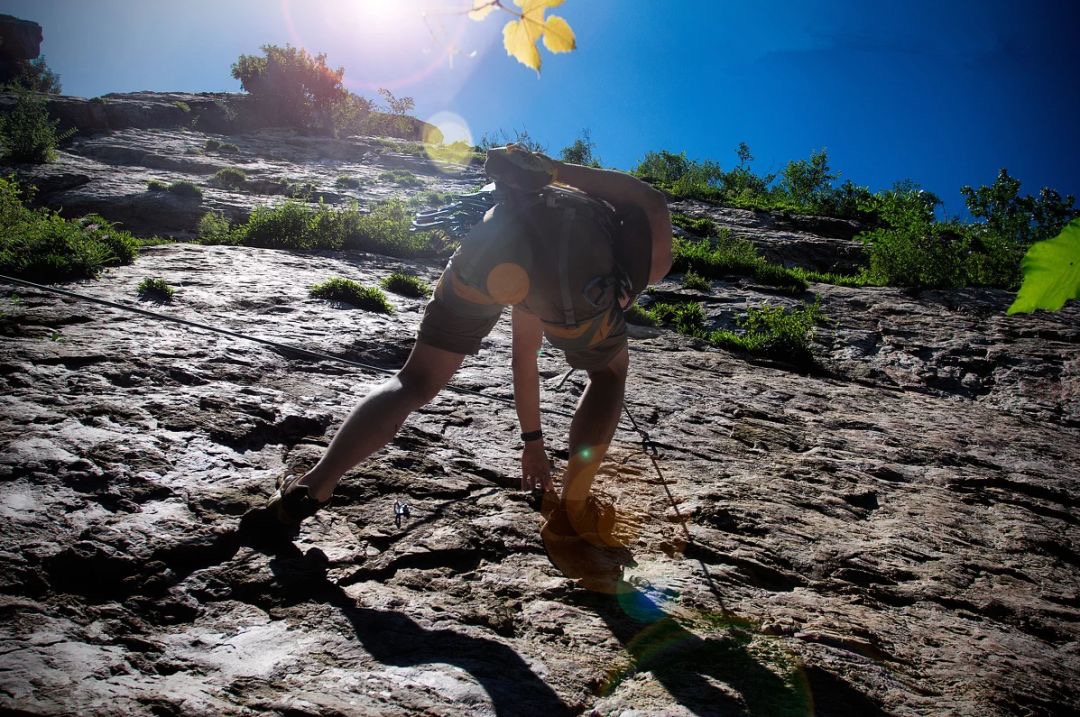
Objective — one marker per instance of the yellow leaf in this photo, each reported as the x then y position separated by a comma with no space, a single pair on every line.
481,9
530,5
520,45
558,37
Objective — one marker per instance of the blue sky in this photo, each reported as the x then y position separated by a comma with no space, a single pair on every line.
944,93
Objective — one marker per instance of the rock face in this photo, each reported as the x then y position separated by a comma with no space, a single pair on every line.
892,534
20,40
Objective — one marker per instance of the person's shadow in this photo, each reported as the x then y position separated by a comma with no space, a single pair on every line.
689,666
395,639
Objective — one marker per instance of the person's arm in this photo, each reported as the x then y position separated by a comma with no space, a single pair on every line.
528,334
620,189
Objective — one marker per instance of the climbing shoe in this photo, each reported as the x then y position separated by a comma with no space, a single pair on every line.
584,548
291,504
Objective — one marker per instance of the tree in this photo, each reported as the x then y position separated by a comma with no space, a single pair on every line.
35,76
1020,219
581,151
295,88
808,181
396,106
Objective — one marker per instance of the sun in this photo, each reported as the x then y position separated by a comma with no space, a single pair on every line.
384,15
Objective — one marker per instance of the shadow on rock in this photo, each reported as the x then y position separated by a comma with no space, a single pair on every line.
395,639
689,666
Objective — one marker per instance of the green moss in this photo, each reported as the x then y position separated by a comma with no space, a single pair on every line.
156,185
348,291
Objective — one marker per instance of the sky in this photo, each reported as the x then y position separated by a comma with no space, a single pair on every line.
944,93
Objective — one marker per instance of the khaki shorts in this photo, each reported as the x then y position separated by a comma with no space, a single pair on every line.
459,317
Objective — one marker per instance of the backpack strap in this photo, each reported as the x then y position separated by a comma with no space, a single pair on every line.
569,318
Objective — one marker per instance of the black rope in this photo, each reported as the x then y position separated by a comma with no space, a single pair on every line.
275,344
648,446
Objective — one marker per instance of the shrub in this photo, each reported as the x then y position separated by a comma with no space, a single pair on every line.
807,181
212,145
156,290
27,133
229,148
285,226
769,331
431,198
348,291
156,185
303,191
186,189
725,256
39,245
775,332
639,316
346,182
231,178
699,226
406,285
292,225
214,228
402,178
501,138
182,106
693,280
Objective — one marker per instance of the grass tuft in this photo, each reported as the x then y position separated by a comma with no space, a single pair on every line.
230,178
406,285
768,331
368,298
401,177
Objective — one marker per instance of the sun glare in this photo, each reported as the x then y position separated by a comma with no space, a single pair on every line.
384,14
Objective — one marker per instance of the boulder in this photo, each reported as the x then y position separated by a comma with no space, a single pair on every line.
20,41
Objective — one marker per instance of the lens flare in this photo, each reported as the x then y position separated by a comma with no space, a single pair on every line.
448,141
393,42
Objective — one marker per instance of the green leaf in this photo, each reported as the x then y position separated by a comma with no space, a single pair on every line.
1051,272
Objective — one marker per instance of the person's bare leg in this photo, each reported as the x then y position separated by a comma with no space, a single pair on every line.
592,428
379,415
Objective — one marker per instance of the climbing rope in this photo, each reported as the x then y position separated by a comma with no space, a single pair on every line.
649,448
267,342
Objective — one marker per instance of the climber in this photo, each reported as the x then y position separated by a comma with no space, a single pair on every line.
568,257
